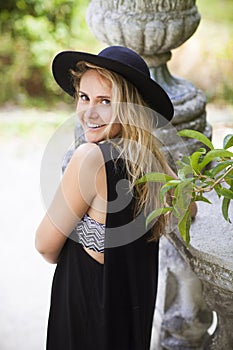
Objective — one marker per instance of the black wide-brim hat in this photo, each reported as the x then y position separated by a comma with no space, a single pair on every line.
123,61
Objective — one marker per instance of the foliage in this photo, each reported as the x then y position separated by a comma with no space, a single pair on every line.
206,59
217,53
222,11
32,32
198,174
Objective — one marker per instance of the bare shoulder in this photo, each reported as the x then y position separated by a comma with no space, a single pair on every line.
89,152
87,156
87,147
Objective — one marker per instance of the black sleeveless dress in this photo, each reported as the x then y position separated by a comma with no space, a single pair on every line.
107,306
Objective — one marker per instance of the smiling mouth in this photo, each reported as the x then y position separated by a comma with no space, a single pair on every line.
94,126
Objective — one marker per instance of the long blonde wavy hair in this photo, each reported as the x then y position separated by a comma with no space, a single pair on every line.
137,144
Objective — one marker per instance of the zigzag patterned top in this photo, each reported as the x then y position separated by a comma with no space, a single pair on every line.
90,234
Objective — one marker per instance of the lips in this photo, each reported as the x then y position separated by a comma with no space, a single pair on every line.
94,126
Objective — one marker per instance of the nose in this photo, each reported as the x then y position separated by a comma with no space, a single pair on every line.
91,113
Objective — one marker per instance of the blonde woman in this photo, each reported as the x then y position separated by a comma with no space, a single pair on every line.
105,283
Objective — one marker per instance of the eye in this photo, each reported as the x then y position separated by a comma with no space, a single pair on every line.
83,97
105,101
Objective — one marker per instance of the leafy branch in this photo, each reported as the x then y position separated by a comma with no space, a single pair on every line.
198,174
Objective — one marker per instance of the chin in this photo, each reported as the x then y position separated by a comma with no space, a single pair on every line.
94,138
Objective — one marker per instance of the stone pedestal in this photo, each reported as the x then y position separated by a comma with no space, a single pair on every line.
210,256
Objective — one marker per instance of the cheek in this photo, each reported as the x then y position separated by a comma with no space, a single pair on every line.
80,113
106,114
115,129
78,107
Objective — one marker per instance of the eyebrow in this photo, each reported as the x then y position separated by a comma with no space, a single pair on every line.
99,97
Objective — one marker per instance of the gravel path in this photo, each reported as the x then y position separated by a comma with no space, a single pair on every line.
25,276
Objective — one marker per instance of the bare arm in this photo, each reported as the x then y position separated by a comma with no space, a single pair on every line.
71,201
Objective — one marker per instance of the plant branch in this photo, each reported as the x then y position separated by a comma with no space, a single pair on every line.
210,188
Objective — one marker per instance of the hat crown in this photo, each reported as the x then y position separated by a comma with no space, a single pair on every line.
126,56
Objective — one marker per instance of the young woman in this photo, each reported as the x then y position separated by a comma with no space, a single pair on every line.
105,283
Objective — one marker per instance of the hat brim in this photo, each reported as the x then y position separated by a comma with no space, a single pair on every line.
152,93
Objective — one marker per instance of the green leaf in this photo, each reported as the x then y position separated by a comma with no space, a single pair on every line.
213,155
156,213
225,208
201,149
217,189
207,173
229,179
198,136
173,182
185,172
228,141
185,160
195,158
184,227
202,199
226,192
167,187
154,177
229,182
183,195
220,166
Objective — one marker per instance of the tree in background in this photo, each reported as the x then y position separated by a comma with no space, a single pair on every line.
32,32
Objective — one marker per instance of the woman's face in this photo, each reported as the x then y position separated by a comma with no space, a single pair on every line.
94,106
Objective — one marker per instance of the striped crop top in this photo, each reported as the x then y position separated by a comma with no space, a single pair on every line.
90,234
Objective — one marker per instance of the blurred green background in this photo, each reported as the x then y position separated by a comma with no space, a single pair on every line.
33,31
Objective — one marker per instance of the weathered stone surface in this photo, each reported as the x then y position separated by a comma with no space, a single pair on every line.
212,239
182,317
220,300
148,27
211,257
189,113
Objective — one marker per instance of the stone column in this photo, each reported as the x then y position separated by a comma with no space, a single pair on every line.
153,28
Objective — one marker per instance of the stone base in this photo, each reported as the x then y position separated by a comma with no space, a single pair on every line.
210,255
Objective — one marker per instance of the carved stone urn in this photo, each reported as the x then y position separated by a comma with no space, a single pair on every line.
151,28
